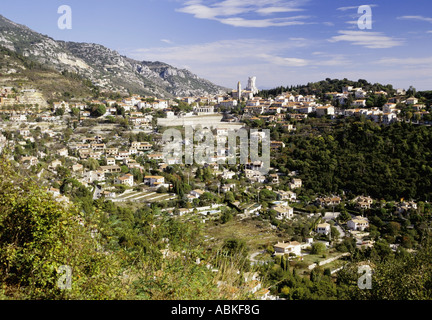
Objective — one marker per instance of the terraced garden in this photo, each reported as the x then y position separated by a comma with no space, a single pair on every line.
149,197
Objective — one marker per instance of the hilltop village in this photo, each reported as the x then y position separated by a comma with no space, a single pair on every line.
111,149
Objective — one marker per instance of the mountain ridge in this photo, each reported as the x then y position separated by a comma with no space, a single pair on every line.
105,67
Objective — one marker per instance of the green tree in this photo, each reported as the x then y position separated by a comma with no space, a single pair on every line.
227,216
75,112
229,197
59,112
318,248
235,247
98,110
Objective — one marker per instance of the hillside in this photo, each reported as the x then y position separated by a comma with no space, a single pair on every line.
328,85
106,68
23,74
119,255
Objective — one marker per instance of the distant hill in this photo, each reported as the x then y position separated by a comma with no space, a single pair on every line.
328,85
320,88
104,67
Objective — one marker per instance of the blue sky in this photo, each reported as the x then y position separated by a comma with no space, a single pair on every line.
281,42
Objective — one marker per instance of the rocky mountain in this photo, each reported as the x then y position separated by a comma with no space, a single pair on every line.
35,84
106,68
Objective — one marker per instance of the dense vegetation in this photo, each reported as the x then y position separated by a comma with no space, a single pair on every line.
321,88
328,85
359,156
398,275
114,253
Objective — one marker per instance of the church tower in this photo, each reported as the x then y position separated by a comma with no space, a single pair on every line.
239,91
252,85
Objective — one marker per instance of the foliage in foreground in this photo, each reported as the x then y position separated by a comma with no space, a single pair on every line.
113,254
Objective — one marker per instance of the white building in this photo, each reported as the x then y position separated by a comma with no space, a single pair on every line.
127,180
323,228
295,184
359,103
358,223
92,176
63,152
283,212
196,193
286,195
154,181
293,247
110,161
325,111
202,110
228,175
412,101
141,146
305,109
228,103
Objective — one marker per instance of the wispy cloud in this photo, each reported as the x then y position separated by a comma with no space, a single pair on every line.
405,61
419,18
355,7
328,23
285,61
238,13
166,41
371,40
263,23
226,60
226,51
240,51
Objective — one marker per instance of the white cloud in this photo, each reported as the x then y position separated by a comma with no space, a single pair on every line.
167,41
328,23
226,62
226,51
263,23
233,12
372,40
298,39
405,61
354,7
347,8
420,18
271,10
285,61
334,61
